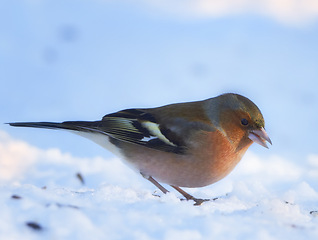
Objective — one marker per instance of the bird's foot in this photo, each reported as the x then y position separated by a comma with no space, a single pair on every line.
155,194
199,201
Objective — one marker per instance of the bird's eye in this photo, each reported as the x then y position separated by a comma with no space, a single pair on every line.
244,122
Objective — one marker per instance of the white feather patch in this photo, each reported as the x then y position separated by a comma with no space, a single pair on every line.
102,140
147,139
153,128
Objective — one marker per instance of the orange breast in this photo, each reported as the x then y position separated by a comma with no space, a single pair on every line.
210,158
216,156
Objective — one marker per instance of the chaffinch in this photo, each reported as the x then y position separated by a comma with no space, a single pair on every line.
191,144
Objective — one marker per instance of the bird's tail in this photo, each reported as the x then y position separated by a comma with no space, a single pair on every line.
81,126
91,130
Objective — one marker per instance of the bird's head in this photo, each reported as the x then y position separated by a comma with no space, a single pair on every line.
240,119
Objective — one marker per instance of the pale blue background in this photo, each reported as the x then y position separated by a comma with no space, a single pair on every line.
78,60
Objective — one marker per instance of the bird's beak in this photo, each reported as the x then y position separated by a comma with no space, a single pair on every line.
260,136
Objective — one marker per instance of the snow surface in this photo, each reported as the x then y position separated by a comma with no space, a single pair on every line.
43,197
79,60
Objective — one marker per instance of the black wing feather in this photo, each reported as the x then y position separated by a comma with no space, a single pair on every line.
126,125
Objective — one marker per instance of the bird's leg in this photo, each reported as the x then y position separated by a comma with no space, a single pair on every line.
154,182
197,201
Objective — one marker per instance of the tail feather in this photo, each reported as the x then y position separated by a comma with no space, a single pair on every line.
91,130
72,125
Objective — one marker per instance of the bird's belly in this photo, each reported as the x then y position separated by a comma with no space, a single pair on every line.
202,169
204,164
182,172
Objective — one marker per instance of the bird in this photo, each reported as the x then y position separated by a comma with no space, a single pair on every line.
184,145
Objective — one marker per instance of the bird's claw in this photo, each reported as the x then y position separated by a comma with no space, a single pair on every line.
198,201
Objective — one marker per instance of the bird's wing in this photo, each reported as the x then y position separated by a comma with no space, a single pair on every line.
138,126
132,125
141,127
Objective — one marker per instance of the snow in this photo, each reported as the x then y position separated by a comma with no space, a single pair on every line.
42,197
79,60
